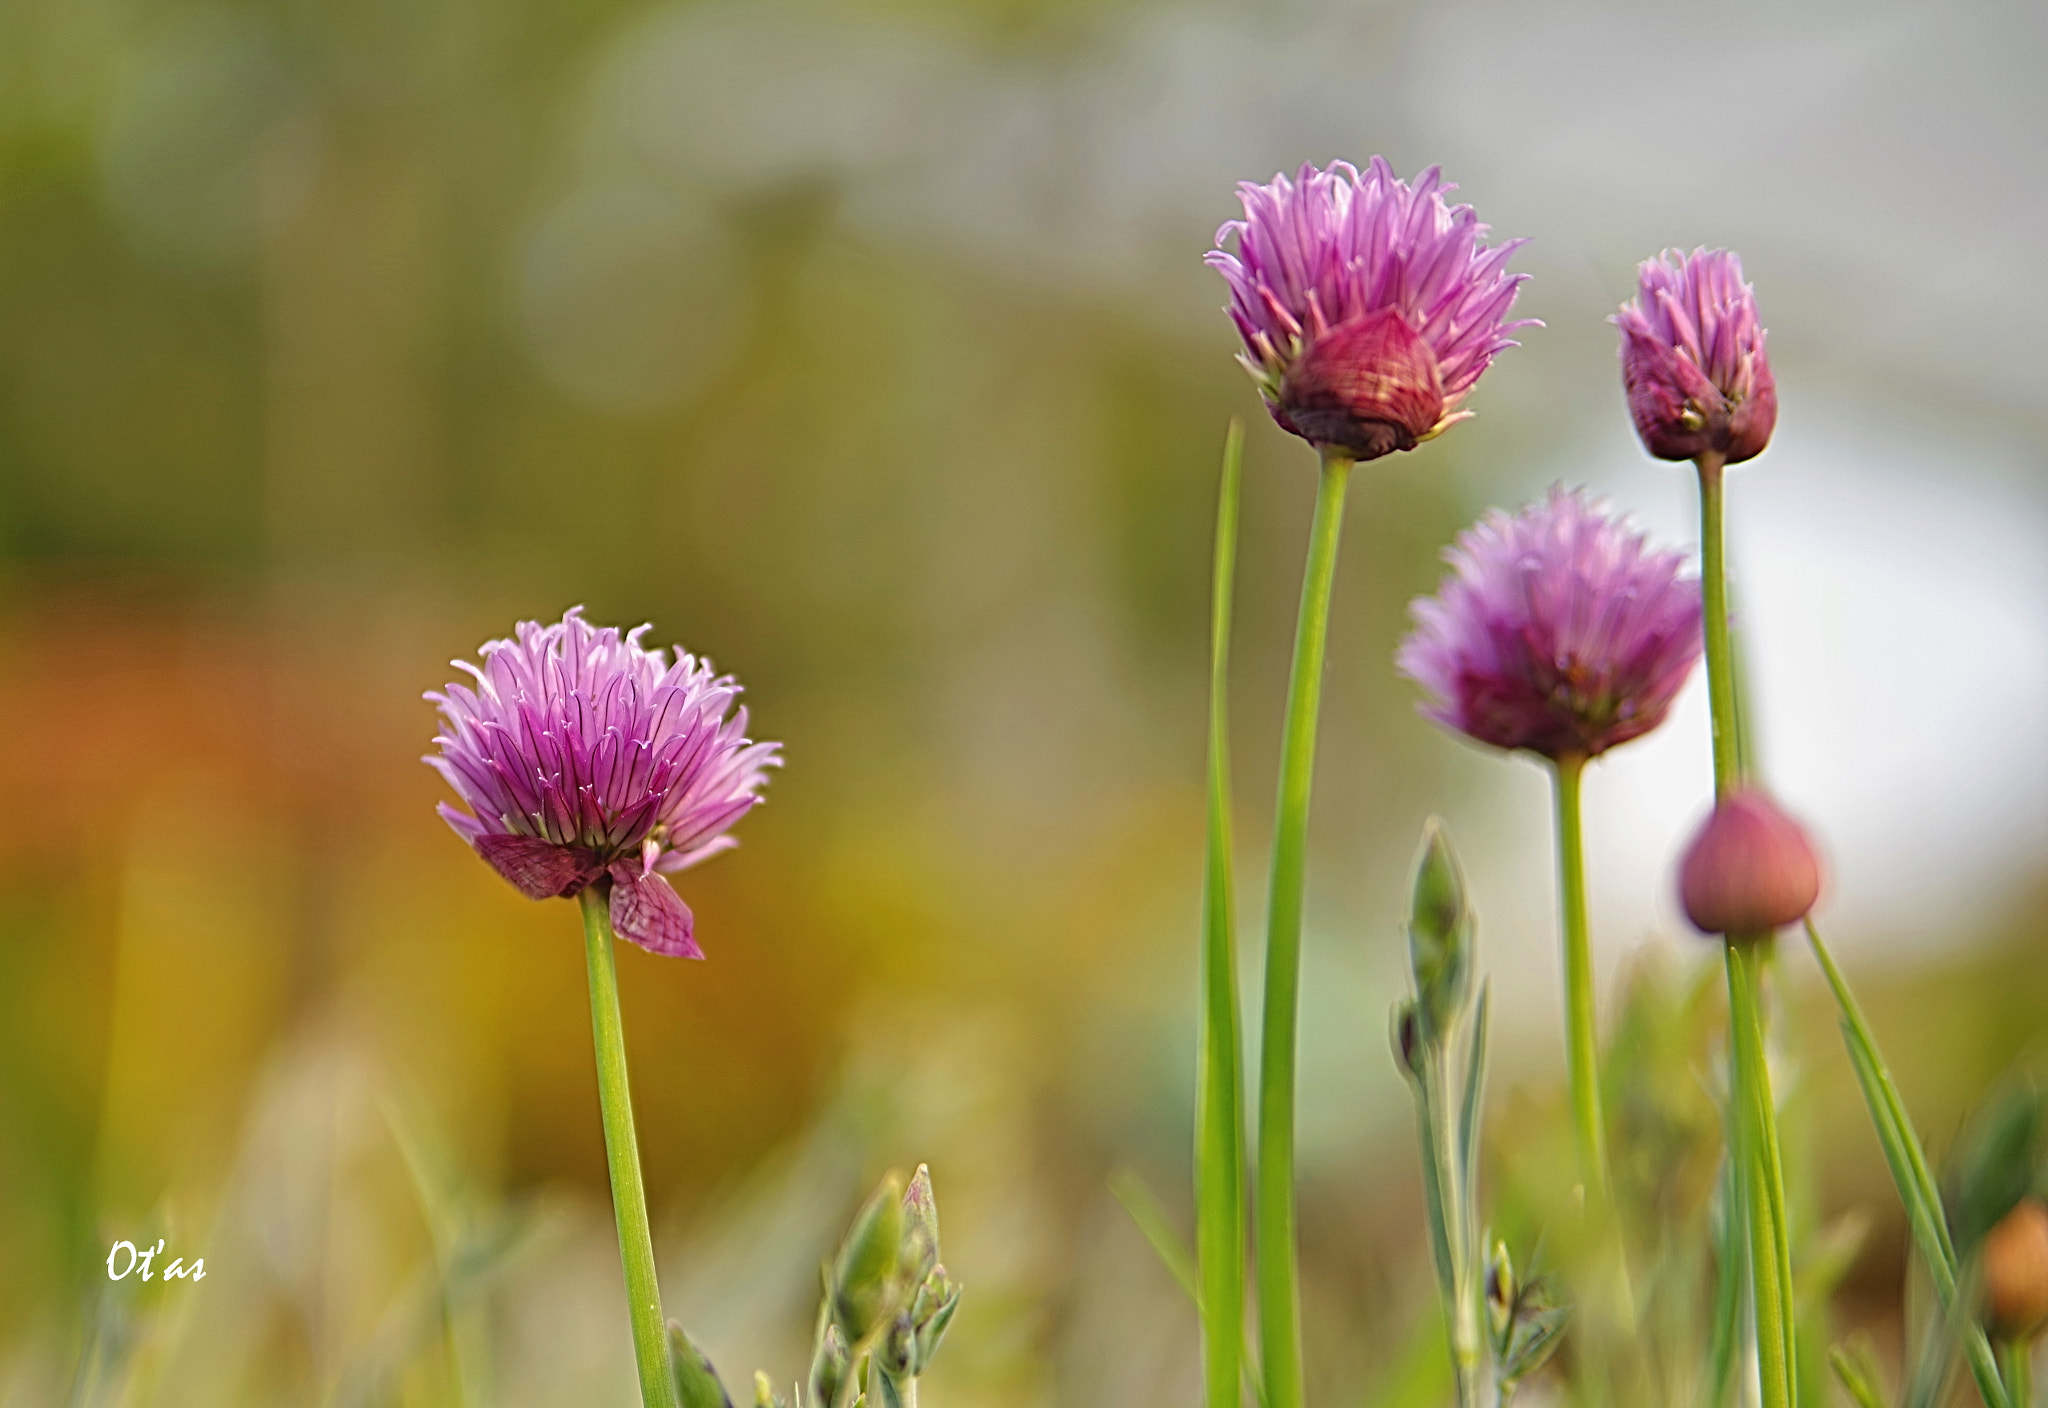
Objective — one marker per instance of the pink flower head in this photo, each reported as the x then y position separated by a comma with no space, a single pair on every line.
586,758
1558,630
1692,359
1368,307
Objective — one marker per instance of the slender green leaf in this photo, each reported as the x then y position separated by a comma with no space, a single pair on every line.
1918,1191
1732,1255
1433,1195
1157,1225
1219,1121
1475,1090
1153,1220
1857,1374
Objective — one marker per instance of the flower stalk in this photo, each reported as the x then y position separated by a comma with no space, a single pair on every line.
1279,1290
1582,1041
622,1153
1753,1121
1219,1123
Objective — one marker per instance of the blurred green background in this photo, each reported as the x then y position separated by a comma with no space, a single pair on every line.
865,348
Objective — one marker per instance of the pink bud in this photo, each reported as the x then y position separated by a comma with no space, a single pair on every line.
1693,360
1750,870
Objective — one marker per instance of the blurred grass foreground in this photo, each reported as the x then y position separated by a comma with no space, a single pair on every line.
333,339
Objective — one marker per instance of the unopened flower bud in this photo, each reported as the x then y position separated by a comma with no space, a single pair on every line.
920,1227
1501,1290
933,1312
1750,870
1439,933
1692,359
765,1395
867,1276
697,1383
831,1362
2015,1265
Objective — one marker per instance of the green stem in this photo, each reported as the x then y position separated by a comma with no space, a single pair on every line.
1219,1122
1754,1118
622,1152
2018,1354
1764,1194
1278,1287
1582,1037
1720,648
1468,1354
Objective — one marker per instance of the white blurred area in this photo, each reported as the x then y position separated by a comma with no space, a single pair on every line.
1894,617
1889,546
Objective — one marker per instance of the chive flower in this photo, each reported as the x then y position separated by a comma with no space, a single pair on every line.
1558,630
587,759
1368,307
1693,361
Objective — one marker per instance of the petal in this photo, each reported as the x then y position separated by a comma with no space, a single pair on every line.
672,861
459,821
538,869
648,912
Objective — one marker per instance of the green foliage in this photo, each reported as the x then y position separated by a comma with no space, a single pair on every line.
1917,1190
1995,1162
1500,1330
886,1304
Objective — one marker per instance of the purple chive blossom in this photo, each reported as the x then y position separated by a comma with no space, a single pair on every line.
586,758
1368,307
1558,630
1692,359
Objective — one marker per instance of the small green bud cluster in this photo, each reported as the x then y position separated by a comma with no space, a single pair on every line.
886,1305
1501,1330
888,1299
1524,1319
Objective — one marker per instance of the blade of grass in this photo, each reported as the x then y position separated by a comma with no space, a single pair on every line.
1156,1224
1153,1220
1219,1121
1910,1170
1475,1090
1854,1372
1731,1275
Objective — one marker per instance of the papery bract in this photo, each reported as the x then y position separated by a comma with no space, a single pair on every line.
1693,361
1559,630
1368,307
586,758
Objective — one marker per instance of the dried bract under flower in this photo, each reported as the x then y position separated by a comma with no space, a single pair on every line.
1692,359
1368,307
1559,630
586,758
